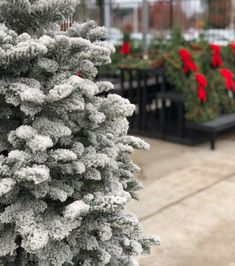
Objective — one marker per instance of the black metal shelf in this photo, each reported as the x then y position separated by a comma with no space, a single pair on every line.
147,87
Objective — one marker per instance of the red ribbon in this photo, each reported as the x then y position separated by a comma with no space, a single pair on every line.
228,76
188,62
232,46
216,59
125,49
202,83
79,74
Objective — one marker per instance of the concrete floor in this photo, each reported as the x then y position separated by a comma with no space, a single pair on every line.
189,202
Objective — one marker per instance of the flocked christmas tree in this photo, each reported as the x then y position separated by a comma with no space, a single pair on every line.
65,175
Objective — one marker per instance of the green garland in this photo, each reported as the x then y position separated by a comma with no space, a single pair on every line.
219,101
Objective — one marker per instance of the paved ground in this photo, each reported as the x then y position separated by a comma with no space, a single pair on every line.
189,201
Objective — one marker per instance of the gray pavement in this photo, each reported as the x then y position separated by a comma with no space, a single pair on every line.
189,202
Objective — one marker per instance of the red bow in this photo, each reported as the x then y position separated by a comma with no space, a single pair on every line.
79,74
188,62
216,59
232,45
228,76
125,49
202,83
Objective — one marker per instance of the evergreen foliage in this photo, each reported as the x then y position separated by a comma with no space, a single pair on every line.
219,99
65,172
